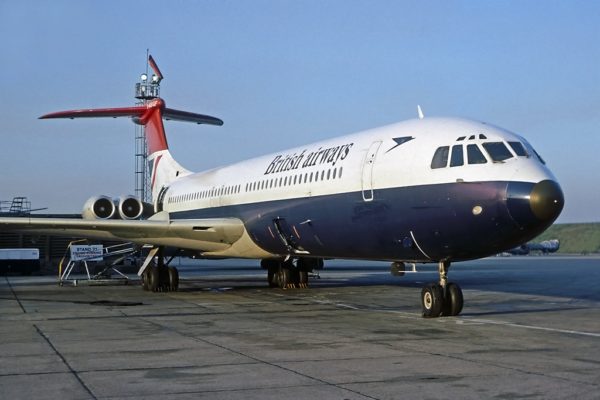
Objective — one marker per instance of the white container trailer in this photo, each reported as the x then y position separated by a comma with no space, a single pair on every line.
24,261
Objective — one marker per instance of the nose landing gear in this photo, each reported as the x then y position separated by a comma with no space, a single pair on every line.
443,298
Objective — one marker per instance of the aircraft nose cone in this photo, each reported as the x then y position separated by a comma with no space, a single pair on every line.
534,204
546,200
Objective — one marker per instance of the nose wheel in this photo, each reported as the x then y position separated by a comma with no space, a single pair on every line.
443,298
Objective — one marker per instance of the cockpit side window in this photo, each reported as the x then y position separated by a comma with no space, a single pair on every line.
456,159
474,155
518,148
532,150
539,157
440,158
497,151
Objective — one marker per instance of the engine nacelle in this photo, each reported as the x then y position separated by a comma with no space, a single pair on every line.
124,207
99,207
129,207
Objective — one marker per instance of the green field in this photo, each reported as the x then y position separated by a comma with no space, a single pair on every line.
574,238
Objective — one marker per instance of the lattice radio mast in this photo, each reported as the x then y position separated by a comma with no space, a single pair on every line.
145,90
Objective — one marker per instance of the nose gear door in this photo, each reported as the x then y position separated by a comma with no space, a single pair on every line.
289,236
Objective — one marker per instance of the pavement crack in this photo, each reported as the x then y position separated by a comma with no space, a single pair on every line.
64,360
258,360
15,295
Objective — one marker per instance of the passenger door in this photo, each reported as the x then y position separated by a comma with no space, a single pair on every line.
367,171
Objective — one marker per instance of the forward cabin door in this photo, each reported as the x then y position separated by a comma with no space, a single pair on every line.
367,171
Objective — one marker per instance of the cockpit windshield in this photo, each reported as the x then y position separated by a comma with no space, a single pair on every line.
474,155
480,152
440,158
497,151
518,149
456,159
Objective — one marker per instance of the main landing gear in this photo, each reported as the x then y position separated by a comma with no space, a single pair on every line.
443,298
159,276
287,275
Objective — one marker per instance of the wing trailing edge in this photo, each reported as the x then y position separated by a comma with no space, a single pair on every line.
205,235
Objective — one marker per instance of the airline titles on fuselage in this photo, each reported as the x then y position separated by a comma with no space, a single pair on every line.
288,162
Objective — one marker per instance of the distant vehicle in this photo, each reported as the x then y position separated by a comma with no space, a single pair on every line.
545,247
20,261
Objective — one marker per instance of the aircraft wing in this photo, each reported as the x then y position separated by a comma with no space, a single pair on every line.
205,235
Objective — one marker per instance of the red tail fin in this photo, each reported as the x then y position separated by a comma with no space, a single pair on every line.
150,114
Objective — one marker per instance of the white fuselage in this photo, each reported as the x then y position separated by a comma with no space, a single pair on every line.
406,165
365,166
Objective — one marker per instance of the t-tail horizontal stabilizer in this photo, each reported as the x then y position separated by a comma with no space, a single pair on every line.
151,115
141,112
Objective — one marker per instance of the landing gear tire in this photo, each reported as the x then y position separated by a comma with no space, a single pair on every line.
145,282
305,266
284,278
173,283
432,300
453,303
443,298
272,278
302,279
153,279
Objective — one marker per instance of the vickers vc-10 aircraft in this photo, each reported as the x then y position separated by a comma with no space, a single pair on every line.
427,190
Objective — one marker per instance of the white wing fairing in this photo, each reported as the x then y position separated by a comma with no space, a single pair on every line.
423,190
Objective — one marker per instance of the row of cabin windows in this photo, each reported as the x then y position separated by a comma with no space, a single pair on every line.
335,173
497,151
283,181
205,194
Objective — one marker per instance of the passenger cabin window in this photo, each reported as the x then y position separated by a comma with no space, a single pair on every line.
440,158
474,155
518,148
456,159
497,151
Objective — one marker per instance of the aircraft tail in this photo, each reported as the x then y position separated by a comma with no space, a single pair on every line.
163,167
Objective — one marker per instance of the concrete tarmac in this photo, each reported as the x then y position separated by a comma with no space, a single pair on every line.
530,329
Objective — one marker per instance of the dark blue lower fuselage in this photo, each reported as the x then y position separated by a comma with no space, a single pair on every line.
417,223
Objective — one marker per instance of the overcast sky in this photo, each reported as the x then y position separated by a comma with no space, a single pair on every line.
285,73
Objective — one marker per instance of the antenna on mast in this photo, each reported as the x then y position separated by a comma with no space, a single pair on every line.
148,88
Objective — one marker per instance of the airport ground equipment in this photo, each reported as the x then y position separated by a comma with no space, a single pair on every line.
79,252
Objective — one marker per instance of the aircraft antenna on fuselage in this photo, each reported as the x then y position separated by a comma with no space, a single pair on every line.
420,112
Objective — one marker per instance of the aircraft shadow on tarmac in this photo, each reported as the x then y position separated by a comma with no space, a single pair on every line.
548,276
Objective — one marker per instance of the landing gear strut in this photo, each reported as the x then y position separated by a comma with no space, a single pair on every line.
159,276
443,298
